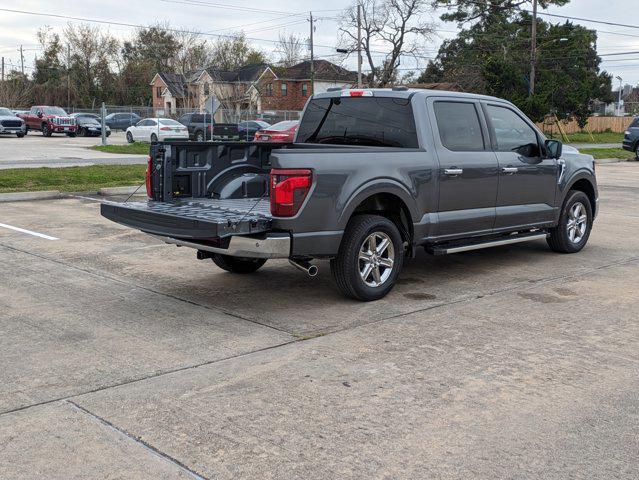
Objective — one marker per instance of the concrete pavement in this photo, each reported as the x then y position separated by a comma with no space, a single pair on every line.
128,358
35,151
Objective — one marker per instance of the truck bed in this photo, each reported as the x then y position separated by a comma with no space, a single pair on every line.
201,218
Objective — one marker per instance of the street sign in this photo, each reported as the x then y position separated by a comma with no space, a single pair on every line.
212,104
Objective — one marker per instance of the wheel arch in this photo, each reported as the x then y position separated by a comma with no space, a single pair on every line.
583,184
389,200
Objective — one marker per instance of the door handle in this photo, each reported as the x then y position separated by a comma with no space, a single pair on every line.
453,172
510,170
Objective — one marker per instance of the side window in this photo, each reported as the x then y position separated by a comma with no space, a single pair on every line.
635,123
151,123
197,118
459,127
512,133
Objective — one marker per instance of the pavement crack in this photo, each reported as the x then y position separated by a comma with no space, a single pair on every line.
144,378
138,441
147,289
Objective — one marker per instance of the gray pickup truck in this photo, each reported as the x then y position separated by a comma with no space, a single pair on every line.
372,176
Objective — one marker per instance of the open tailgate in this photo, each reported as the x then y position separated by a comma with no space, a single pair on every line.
193,218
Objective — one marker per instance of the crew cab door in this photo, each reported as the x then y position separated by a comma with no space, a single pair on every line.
467,173
33,121
527,180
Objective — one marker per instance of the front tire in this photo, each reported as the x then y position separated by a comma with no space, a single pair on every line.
129,137
575,224
199,136
370,258
20,135
45,130
238,264
72,135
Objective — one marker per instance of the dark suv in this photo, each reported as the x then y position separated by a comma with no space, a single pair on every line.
631,138
199,123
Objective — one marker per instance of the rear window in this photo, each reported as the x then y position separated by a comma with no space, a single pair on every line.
168,121
458,125
283,125
374,121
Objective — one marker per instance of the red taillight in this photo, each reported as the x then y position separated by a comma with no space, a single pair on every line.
148,177
165,128
288,189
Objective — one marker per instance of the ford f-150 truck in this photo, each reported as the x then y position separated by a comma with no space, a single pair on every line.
50,120
372,176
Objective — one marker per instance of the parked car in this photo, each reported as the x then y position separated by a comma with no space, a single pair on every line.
49,120
121,121
249,128
10,123
18,112
374,176
631,138
156,129
199,123
280,132
90,125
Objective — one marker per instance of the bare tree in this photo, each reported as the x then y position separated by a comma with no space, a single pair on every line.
390,29
290,49
194,52
16,90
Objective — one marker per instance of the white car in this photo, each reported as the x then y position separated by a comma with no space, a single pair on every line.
156,130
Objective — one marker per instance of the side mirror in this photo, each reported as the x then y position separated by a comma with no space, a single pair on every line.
39,114
554,148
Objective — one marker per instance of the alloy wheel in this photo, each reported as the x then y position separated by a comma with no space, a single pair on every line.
376,259
577,222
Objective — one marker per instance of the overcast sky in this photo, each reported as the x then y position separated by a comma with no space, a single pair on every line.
263,21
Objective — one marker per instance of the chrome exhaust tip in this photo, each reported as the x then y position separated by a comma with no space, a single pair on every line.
305,266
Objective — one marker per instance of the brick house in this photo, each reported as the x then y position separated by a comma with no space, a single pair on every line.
257,87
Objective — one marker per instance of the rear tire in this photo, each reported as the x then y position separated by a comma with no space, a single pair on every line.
637,152
575,223
370,258
238,264
129,137
45,130
199,136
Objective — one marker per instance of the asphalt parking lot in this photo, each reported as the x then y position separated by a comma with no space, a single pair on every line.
126,358
34,150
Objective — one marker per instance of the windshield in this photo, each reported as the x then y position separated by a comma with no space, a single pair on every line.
168,121
382,121
54,111
5,112
278,127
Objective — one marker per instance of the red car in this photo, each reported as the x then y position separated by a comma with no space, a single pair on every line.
280,132
50,120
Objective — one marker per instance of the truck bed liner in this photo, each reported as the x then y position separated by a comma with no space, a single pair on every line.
193,218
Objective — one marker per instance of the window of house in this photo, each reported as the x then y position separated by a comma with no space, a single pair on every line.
458,125
284,89
207,89
269,89
304,90
158,92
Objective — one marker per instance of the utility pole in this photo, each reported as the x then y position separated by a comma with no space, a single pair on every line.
533,50
68,76
21,61
3,69
312,57
359,45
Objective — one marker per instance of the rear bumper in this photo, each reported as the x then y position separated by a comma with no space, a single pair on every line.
271,246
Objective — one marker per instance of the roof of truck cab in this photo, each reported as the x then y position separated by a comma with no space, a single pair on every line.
409,92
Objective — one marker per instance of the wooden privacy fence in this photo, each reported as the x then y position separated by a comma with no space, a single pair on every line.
595,124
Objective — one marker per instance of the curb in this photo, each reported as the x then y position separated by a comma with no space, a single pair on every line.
24,196
121,190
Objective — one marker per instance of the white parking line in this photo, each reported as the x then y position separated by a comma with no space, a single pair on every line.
29,232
